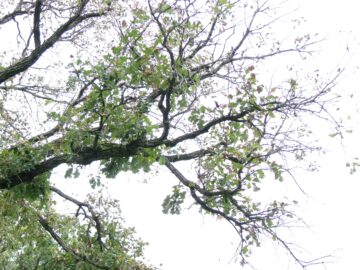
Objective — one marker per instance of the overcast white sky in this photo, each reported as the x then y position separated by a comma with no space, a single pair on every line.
191,241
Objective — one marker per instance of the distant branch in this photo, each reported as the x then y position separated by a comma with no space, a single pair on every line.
26,62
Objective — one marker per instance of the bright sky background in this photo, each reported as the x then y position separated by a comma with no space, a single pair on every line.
191,241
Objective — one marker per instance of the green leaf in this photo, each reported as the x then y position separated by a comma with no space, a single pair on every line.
162,160
69,172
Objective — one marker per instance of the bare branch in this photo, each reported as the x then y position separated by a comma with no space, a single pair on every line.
24,63
17,12
36,29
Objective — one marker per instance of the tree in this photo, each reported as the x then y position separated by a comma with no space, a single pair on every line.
43,239
137,85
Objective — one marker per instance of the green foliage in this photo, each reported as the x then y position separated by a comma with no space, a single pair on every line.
18,159
26,245
142,161
37,189
95,181
172,203
178,82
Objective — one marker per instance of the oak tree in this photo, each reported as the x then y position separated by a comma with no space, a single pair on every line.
132,86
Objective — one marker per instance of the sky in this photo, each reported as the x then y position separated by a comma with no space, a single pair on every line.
329,207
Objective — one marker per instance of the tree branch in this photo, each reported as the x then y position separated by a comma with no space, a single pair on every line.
17,12
28,61
83,156
94,216
36,29
45,224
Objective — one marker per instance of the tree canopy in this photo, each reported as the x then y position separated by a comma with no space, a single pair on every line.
132,86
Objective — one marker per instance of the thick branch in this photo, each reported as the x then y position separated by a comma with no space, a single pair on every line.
83,157
37,23
194,134
189,156
193,185
28,61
